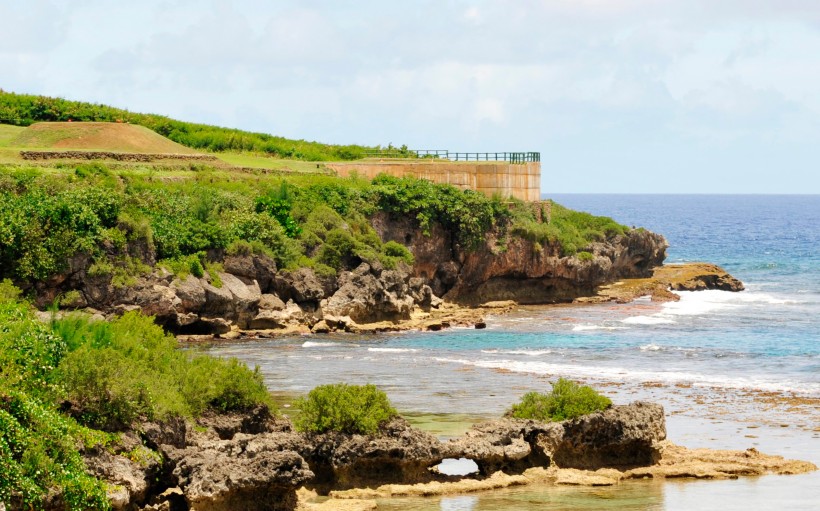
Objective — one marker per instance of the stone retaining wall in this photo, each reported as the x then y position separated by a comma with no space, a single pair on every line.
520,180
104,155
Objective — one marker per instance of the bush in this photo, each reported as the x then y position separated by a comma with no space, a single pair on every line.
129,369
352,409
570,230
38,445
567,400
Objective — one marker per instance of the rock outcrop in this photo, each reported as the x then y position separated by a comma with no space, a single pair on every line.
400,453
515,268
253,294
620,436
254,461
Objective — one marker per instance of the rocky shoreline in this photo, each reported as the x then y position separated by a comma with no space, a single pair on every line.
445,286
442,314
255,461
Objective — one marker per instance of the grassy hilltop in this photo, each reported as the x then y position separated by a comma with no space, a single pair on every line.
25,109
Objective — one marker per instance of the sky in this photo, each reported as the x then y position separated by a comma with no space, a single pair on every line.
618,96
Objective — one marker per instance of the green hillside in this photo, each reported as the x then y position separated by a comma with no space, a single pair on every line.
25,109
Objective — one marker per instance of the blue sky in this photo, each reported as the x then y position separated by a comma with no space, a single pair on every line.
687,96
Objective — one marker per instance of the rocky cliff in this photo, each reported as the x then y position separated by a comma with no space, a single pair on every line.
252,293
506,267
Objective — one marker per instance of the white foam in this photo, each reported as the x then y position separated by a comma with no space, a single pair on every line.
392,350
656,319
312,344
585,328
651,347
531,353
714,299
615,373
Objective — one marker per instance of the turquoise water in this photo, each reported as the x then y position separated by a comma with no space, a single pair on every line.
723,364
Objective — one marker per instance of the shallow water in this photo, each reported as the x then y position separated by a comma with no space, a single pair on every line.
733,370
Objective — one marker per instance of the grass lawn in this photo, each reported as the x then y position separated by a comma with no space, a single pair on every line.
263,162
8,132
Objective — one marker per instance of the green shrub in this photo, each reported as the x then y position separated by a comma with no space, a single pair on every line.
182,266
338,249
279,208
38,452
567,400
69,298
585,256
352,409
572,231
265,235
129,368
398,252
239,248
466,213
101,268
38,445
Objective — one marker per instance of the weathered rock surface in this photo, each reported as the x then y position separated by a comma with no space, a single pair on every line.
398,454
628,435
247,472
621,436
253,294
524,271
254,461
664,279
370,293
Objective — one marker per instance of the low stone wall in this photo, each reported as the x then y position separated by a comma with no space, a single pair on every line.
104,155
520,180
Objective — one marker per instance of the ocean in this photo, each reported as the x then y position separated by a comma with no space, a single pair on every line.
733,370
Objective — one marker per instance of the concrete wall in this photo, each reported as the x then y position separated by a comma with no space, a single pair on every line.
520,180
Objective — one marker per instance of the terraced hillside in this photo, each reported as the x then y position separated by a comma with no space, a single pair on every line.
107,136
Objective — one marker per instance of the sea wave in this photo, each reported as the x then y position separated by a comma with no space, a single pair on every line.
614,373
586,328
393,350
328,344
655,319
651,347
531,353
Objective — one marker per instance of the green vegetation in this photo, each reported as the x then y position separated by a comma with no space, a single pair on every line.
352,409
566,400
64,385
24,109
572,230
47,216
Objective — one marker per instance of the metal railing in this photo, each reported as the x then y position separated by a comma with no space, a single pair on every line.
443,154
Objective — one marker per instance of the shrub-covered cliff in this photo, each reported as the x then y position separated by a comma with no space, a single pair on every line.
202,250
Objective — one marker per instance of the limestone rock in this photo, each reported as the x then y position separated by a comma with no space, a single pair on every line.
399,453
249,473
271,302
707,276
300,286
507,445
620,436
218,300
321,327
129,480
190,292
273,319
367,297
